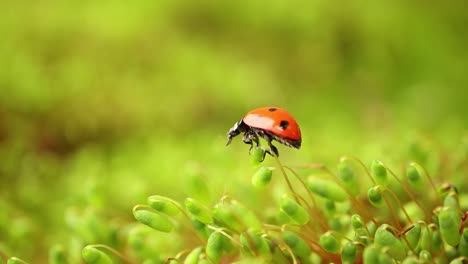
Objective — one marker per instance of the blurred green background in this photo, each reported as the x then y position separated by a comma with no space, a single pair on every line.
105,103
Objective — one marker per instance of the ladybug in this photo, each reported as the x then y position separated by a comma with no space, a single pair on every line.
270,123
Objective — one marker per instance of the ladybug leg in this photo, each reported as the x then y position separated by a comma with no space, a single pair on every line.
250,138
272,148
247,140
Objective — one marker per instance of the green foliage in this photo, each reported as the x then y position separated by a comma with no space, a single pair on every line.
104,105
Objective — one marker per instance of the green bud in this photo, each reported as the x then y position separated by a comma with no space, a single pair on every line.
214,246
463,246
198,211
298,246
426,239
384,238
451,200
410,260
425,256
348,178
294,210
225,213
362,236
262,177
151,261
327,189
163,205
330,207
335,223
414,177
246,215
380,172
93,255
375,197
413,235
257,156
255,244
15,260
201,228
154,220
173,261
193,256
356,221
437,242
57,255
371,227
236,216
384,258
413,210
329,243
371,254
459,260
348,253
449,221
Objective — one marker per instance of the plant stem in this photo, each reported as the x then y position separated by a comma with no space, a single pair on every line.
410,194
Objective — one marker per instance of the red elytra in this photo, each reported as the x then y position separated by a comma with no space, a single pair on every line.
270,123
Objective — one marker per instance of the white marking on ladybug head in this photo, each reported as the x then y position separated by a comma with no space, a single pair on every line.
234,131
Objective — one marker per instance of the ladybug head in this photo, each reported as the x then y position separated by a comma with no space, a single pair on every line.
234,131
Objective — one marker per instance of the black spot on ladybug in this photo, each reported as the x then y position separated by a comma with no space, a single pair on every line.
284,124
272,109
